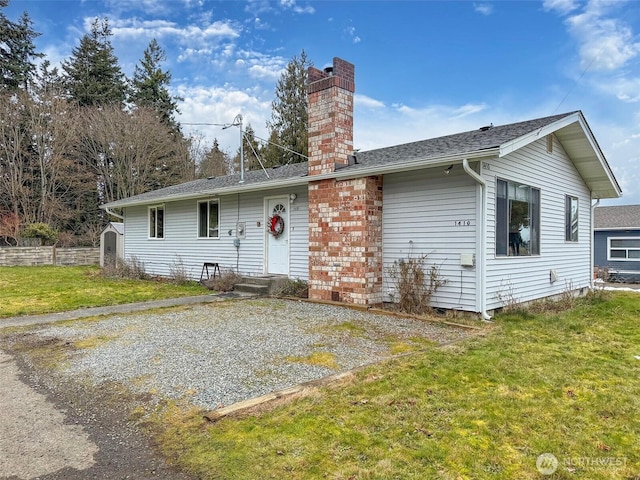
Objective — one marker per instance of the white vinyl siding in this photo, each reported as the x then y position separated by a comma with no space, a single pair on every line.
182,245
528,278
428,212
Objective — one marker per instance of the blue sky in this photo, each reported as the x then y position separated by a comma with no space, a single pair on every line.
423,68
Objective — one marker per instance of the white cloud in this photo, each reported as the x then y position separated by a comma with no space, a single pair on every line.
626,89
351,32
131,28
605,41
216,106
561,6
468,109
291,4
483,8
367,102
398,124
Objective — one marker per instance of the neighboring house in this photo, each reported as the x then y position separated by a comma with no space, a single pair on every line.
617,242
503,211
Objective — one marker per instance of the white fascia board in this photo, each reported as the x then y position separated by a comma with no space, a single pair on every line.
280,183
524,140
431,162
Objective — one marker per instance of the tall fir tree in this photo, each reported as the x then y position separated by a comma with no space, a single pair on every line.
289,118
93,75
150,85
215,162
17,51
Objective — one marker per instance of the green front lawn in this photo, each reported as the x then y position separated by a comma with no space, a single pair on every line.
565,384
47,289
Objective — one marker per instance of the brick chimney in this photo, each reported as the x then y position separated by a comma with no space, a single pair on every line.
345,215
330,116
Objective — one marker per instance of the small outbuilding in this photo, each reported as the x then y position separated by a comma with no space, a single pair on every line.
111,243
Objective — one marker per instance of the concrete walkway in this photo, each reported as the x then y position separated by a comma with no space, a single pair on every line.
118,309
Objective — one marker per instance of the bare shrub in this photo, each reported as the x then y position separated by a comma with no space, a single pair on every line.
131,268
506,296
178,272
223,282
413,285
602,273
293,288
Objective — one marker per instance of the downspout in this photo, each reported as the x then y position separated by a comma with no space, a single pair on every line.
592,241
481,264
110,212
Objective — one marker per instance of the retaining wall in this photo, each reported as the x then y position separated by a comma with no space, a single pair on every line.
26,256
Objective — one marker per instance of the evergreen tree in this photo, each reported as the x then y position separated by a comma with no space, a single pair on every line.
150,85
215,163
17,51
93,74
289,119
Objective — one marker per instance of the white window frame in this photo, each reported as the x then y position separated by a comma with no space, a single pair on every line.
618,259
208,203
154,235
569,236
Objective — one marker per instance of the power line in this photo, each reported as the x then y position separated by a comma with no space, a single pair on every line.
579,78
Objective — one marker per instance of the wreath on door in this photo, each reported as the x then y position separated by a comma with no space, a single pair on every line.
276,221
276,225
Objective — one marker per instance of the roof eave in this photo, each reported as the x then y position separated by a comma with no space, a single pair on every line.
240,188
604,185
346,173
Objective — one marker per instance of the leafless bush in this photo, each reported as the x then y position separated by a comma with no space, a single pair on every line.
413,286
223,282
602,273
293,288
131,268
178,272
506,296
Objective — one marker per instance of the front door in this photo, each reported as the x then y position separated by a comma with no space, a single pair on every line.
277,228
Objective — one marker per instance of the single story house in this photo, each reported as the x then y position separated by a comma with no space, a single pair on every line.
617,242
504,212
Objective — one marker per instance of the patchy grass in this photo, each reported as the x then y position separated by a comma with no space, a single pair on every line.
321,359
47,289
564,383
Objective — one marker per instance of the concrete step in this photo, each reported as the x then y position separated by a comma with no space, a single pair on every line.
272,282
251,288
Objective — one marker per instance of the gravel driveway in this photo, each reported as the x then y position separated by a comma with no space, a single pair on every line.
219,354
73,422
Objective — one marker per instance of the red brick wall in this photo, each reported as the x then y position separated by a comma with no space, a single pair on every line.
345,240
345,216
330,116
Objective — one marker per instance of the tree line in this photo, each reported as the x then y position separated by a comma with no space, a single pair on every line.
74,137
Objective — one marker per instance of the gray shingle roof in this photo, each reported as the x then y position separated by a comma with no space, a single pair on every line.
432,149
457,144
617,217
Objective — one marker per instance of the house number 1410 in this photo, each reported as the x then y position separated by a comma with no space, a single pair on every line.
462,223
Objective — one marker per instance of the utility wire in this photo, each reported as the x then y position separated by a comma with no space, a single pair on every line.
579,78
